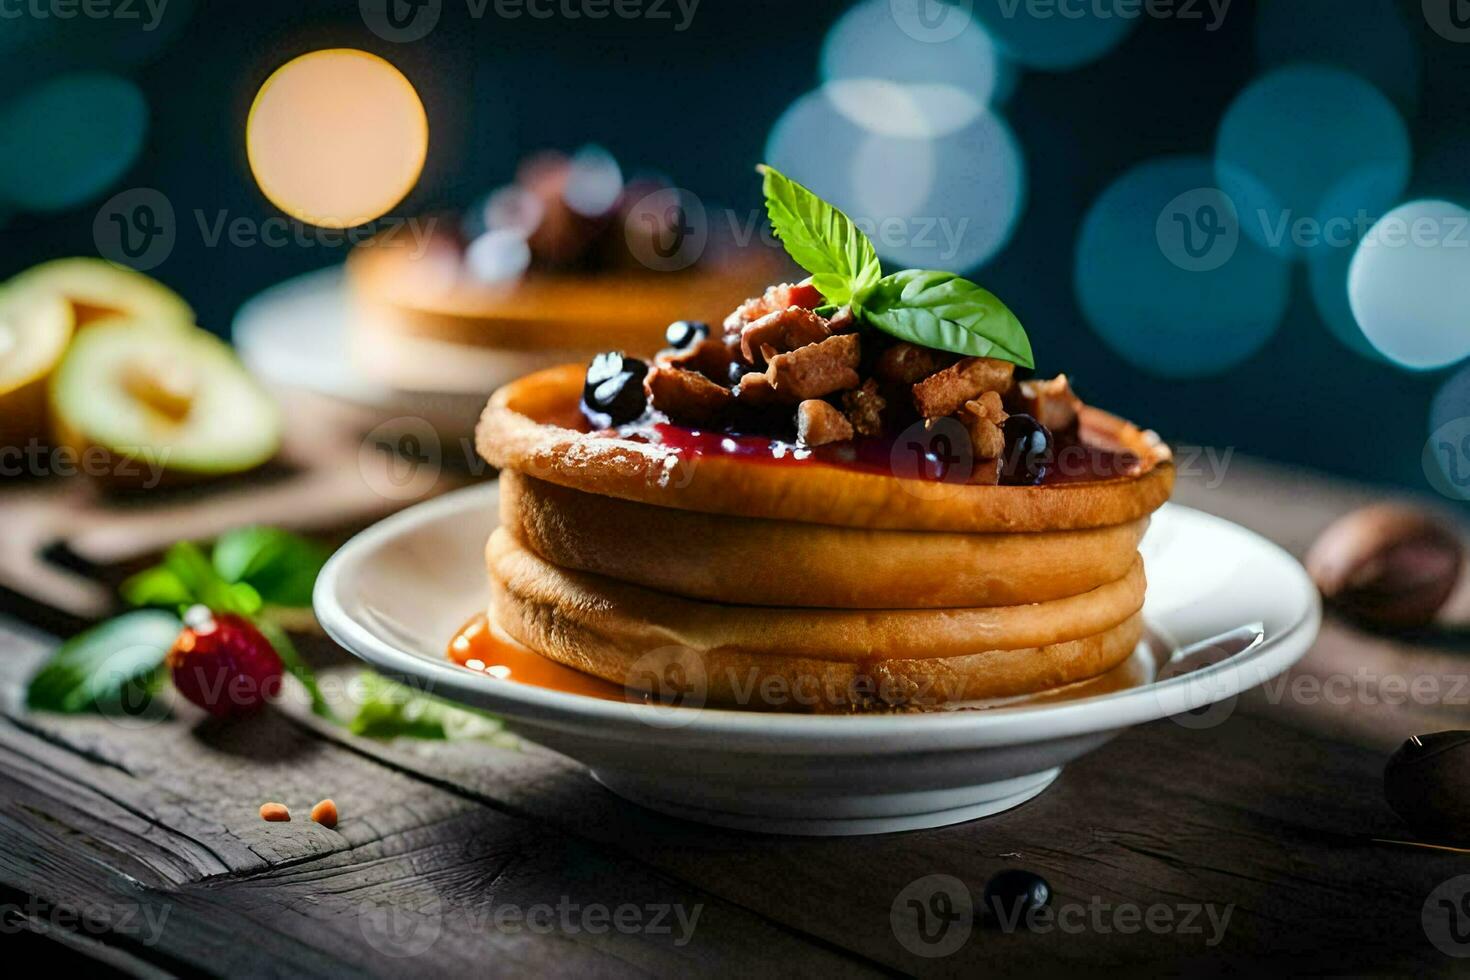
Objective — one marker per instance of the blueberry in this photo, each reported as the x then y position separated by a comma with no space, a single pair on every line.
1015,893
1028,452
682,334
614,388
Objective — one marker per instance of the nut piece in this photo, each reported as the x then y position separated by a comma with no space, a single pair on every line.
773,299
686,396
1387,565
943,392
754,389
816,369
709,357
274,812
981,418
905,363
818,423
783,330
325,813
1050,402
864,408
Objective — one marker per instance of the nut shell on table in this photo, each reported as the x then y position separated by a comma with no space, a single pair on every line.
1427,782
1387,565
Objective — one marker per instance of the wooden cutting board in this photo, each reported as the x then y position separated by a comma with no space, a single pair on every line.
64,542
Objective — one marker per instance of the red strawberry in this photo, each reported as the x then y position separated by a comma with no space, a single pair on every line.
223,664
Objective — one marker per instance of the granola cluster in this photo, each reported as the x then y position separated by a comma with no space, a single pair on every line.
780,367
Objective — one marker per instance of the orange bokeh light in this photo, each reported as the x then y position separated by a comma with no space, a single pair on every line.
337,137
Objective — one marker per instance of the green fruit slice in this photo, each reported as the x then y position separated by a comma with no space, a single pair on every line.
99,290
34,329
178,401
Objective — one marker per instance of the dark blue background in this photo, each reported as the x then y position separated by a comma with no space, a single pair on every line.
699,104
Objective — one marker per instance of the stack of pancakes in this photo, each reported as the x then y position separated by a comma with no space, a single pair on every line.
820,585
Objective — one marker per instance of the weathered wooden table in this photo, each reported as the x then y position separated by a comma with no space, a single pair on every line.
1246,841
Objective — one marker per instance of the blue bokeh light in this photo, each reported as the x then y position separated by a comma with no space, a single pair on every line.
68,139
1309,145
1327,275
956,69
1166,278
951,202
1409,284
1056,36
1367,37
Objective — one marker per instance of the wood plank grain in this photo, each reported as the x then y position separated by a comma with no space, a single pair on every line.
153,832
1250,814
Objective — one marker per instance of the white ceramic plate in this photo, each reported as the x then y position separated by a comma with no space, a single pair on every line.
1226,610
295,335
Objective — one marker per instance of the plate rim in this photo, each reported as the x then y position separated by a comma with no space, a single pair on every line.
796,733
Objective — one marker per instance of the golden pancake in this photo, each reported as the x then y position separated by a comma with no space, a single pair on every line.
751,561
528,589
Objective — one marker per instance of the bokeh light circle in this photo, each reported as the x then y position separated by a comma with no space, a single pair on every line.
1162,315
1056,36
1409,284
67,140
1327,277
1313,144
337,137
1367,37
946,203
956,71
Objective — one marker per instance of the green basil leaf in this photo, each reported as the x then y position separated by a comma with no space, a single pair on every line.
297,667
821,239
280,566
96,666
941,310
156,586
389,709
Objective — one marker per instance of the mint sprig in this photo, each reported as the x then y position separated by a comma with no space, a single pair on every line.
924,307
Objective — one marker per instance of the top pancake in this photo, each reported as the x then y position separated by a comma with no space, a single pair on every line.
526,428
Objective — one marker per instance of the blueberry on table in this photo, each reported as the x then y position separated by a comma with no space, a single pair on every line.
1427,782
682,334
1015,893
614,387
1028,452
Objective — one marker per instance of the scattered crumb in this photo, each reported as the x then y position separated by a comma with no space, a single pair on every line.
325,813
274,812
